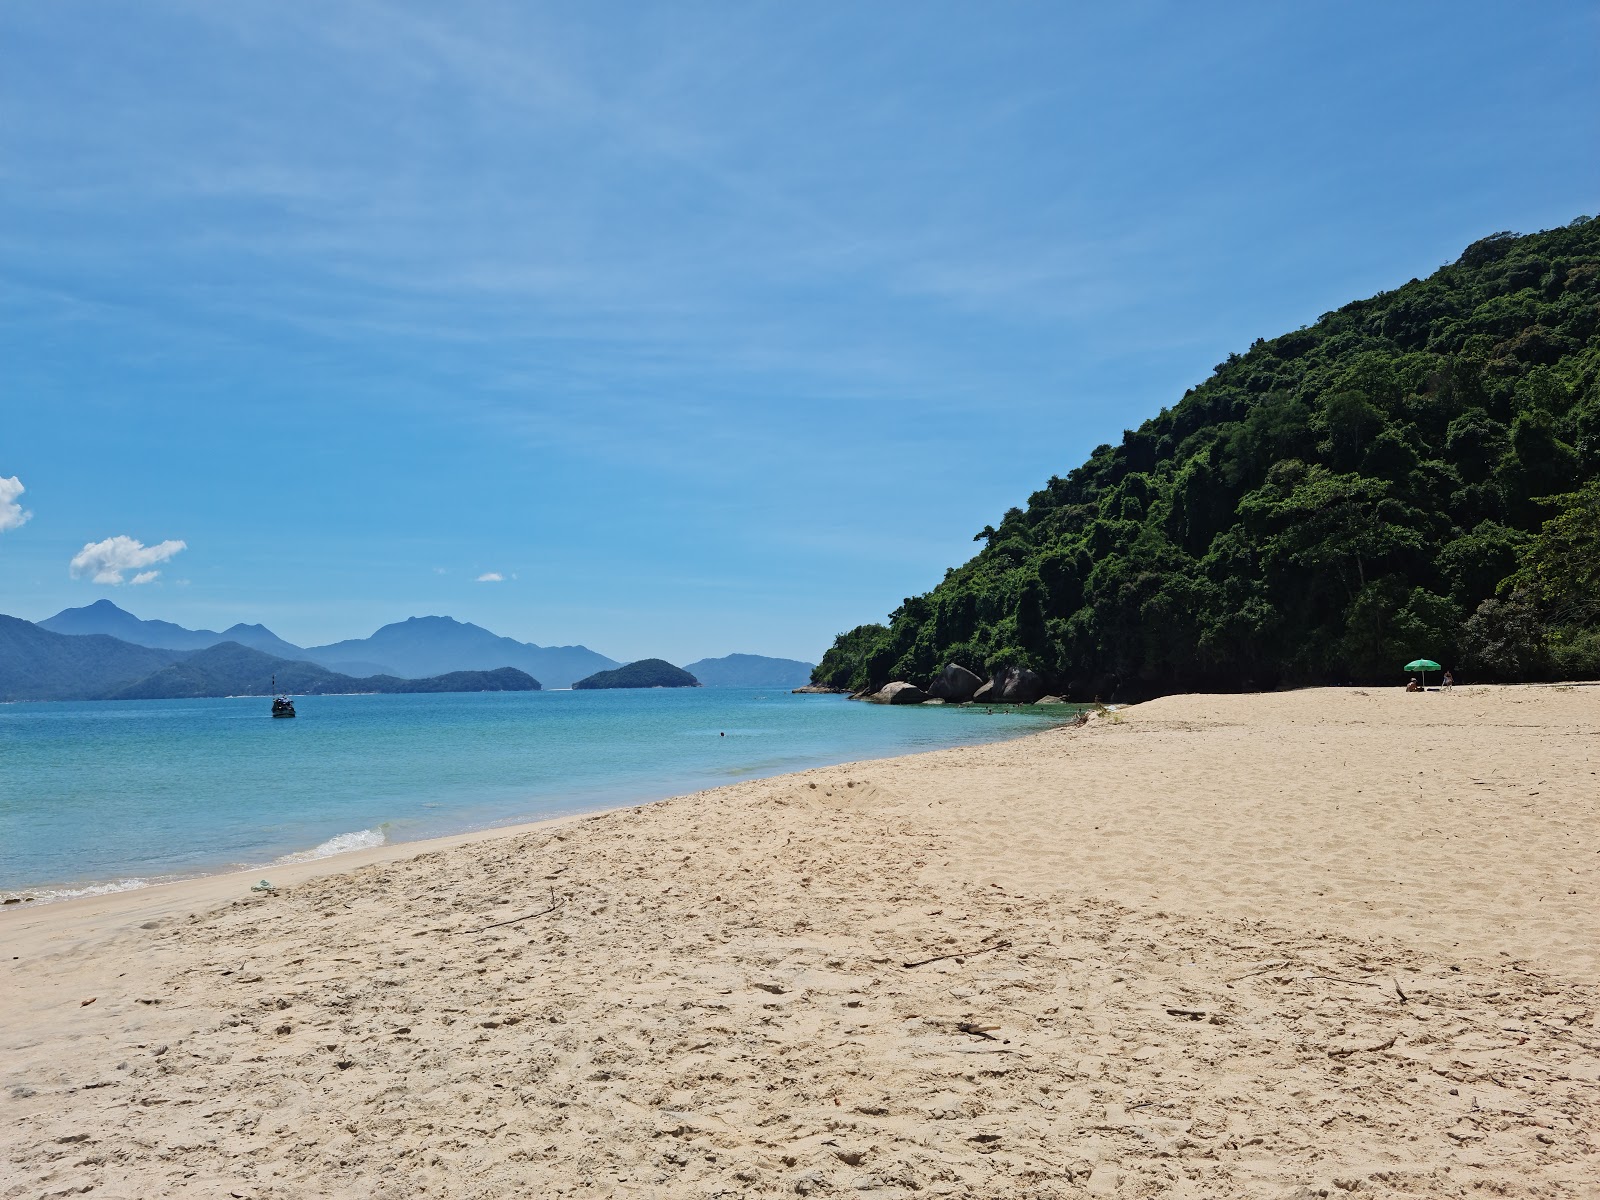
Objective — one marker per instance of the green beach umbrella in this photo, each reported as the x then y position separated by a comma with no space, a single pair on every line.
1424,665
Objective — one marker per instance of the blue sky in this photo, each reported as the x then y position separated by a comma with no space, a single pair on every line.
708,327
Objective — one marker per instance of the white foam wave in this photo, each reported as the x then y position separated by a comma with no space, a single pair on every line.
339,843
47,895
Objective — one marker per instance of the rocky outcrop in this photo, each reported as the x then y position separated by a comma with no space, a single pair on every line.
820,689
1016,685
1050,700
955,683
985,694
898,693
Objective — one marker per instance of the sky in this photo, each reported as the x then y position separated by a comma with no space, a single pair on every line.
686,329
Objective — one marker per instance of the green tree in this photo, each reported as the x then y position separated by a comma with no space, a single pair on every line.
1333,497
1561,565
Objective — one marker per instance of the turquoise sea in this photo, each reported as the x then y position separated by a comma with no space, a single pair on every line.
109,795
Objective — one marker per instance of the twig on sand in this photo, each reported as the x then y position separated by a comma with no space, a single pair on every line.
554,904
922,962
1346,1051
1351,982
1267,970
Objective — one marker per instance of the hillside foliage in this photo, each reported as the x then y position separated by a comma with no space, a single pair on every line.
36,664
1417,474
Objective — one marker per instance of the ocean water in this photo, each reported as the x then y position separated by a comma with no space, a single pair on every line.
110,795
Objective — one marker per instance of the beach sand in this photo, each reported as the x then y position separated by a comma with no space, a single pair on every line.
1295,945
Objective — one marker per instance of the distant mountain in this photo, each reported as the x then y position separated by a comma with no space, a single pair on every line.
36,664
646,673
234,670
105,617
501,679
751,670
424,646
259,637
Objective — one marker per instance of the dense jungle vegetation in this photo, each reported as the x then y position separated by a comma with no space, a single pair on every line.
1417,474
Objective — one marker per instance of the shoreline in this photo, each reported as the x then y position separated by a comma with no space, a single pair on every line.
107,913
39,895
1295,943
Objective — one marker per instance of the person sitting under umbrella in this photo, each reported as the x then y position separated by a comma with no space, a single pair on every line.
1424,665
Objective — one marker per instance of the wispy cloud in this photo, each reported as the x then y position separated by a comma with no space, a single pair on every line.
491,577
12,514
105,562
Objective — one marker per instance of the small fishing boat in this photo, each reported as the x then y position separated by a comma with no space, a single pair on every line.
282,706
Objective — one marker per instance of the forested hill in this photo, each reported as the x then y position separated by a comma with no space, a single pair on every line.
1417,474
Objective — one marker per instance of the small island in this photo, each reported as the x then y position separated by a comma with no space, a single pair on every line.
646,673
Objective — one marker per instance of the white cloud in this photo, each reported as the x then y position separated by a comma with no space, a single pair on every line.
106,561
491,577
12,514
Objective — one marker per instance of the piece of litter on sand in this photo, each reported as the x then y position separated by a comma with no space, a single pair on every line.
263,886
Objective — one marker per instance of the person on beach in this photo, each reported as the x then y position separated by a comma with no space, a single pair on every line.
1413,686
1449,681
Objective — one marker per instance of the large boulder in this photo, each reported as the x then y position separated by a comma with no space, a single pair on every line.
985,694
898,693
1016,685
820,689
955,683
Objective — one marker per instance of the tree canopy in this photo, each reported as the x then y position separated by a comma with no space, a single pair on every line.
1414,474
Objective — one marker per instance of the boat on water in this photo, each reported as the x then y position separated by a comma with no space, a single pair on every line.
282,706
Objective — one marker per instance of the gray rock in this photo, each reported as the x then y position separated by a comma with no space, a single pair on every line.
985,694
899,692
955,683
819,689
1017,685
1050,700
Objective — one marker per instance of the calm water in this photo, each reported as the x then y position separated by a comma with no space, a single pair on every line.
111,794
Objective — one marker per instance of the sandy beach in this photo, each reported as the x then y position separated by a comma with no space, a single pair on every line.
1328,942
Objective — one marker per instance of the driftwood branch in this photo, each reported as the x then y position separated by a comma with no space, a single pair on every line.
554,904
922,962
1346,1051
